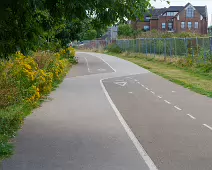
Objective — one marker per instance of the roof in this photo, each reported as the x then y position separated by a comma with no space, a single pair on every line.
156,12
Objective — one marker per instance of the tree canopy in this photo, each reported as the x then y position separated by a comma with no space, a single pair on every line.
32,24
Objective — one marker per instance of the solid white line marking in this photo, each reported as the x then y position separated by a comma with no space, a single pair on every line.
160,97
106,63
177,108
191,116
147,88
152,92
87,64
207,126
167,101
135,141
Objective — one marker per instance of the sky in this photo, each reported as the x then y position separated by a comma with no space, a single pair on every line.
161,4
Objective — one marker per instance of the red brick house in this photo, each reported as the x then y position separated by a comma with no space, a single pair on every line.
177,19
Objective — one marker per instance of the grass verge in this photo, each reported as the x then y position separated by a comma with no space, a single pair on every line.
195,78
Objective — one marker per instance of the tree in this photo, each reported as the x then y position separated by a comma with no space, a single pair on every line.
90,35
24,24
125,30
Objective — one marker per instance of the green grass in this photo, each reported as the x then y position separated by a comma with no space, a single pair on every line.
195,78
11,120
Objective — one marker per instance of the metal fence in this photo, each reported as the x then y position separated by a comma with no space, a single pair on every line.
197,49
90,44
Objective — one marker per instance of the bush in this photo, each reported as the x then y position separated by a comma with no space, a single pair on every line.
90,35
125,30
23,81
114,48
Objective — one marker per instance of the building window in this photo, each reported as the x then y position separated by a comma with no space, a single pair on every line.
170,13
170,26
182,25
163,25
196,25
146,28
148,18
189,25
190,12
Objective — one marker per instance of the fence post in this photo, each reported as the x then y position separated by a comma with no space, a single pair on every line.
192,53
150,49
142,44
197,47
210,39
159,46
164,48
139,45
146,45
205,57
186,45
170,47
175,47
154,42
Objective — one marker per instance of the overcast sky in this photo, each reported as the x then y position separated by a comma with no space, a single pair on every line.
159,4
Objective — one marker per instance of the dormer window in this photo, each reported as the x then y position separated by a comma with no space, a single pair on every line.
190,12
147,18
170,13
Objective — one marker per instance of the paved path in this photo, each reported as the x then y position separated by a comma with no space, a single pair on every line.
107,114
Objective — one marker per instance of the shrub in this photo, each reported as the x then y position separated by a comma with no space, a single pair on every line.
23,81
114,48
125,30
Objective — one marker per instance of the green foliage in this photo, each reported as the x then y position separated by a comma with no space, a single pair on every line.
31,24
125,30
23,82
113,48
90,35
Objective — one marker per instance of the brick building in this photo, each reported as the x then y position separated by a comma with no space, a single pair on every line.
177,19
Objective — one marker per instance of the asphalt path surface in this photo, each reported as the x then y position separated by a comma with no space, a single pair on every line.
110,114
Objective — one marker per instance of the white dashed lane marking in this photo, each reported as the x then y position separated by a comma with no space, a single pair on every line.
152,92
177,108
207,126
87,65
191,116
167,101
